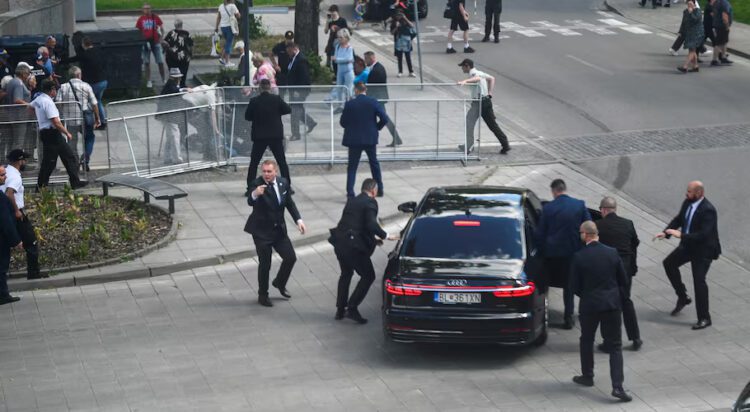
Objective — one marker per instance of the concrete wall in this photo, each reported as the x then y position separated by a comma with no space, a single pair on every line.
19,17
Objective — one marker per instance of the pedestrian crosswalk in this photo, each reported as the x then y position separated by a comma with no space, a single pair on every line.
607,26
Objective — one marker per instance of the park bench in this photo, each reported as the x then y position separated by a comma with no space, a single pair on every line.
157,189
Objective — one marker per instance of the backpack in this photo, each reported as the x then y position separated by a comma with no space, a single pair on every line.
450,11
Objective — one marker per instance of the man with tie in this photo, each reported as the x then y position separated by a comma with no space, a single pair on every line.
298,77
269,196
699,245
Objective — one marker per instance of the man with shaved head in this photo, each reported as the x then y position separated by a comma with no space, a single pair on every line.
619,233
696,225
598,277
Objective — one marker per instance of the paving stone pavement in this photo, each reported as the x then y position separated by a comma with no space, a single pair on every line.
196,340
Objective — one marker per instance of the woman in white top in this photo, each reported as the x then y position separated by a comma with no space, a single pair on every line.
224,21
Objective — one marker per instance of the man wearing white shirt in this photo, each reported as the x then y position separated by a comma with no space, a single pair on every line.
482,102
270,194
54,137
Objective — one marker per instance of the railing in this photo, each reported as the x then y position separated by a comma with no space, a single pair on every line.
18,126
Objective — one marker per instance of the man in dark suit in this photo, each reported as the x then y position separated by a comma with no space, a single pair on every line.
362,119
269,196
8,239
267,130
298,77
557,236
699,245
354,242
619,233
377,77
492,10
598,277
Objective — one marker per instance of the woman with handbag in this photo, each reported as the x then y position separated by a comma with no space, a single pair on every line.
227,20
691,17
403,32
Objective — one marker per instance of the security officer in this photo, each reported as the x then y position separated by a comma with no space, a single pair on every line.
619,233
13,189
597,276
8,239
354,241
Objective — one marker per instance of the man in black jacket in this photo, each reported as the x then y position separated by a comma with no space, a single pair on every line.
377,77
8,239
597,276
267,130
269,196
492,10
298,77
354,242
619,233
699,245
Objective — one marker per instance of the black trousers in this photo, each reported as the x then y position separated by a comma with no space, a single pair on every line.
264,247
350,262
399,56
653,3
28,237
54,145
355,152
299,114
4,267
699,266
628,314
183,66
611,330
491,22
558,270
488,115
256,154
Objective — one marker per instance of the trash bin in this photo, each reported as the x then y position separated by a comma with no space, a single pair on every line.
122,51
23,48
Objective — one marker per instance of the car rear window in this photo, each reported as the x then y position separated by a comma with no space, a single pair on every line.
465,237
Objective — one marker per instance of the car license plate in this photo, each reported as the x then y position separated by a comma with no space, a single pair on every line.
451,298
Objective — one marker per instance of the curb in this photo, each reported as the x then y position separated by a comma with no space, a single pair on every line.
614,10
137,12
151,271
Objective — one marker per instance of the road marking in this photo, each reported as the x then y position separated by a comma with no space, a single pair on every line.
591,65
613,22
545,23
635,29
530,33
666,36
605,14
510,25
367,33
566,32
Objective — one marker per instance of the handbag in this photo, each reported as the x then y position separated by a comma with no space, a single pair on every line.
449,13
232,22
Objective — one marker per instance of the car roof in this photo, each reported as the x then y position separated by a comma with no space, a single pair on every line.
481,200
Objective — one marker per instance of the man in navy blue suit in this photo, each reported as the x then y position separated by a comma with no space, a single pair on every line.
362,120
558,239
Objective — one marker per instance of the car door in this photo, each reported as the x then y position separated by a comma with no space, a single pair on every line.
534,264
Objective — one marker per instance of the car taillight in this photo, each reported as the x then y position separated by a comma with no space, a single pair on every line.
466,223
400,290
515,291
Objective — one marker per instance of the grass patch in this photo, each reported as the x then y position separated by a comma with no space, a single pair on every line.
106,5
741,13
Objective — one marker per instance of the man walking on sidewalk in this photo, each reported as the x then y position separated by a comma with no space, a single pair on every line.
722,11
459,19
481,103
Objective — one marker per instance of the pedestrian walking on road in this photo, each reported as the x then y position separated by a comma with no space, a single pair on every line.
227,18
354,240
558,240
699,245
377,89
264,111
722,21
481,104
619,233
269,196
492,11
152,29
179,49
597,276
459,20
362,119
693,36
9,239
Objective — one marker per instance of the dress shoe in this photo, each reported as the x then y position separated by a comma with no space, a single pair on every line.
505,150
702,324
354,315
265,301
568,323
80,184
311,127
497,39
620,394
637,343
285,293
339,314
681,303
584,380
485,39
9,299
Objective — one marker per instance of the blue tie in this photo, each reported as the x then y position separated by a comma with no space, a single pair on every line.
689,219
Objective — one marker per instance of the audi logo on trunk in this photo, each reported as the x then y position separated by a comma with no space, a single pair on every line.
457,282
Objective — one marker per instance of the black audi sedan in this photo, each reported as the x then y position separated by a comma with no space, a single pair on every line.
465,269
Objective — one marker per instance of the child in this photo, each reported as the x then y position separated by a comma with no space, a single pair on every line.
359,11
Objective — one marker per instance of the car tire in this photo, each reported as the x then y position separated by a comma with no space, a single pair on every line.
542,338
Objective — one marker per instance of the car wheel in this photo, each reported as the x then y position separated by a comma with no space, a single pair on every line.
542,338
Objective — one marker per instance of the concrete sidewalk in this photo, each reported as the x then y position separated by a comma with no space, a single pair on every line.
669,19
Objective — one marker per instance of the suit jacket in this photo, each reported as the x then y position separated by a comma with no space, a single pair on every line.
597,276
557,233
619,233
376,78
361,119
266,222
265,111
299,73
8,234
358,225
703,237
